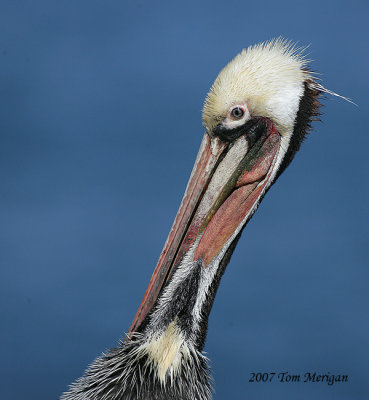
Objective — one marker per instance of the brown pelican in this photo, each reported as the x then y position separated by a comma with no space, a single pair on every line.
256,116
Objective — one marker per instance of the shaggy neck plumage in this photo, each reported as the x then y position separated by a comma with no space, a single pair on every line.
163,359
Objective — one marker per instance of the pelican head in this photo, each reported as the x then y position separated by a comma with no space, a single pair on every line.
256,115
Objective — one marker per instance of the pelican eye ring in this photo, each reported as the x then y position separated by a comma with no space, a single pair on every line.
237,113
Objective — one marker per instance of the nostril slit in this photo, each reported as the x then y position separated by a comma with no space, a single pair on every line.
256,131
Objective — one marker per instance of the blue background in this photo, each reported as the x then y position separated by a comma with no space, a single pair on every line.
100,122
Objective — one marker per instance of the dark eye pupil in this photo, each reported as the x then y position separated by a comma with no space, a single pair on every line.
237,112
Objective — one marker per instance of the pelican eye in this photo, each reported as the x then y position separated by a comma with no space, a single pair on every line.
237,113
